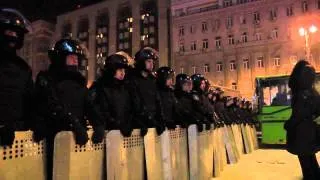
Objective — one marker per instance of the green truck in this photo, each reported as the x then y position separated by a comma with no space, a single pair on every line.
273,104
273,99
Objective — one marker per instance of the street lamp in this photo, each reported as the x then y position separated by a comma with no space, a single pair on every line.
305,32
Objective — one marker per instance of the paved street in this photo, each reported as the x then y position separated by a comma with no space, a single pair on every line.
264,165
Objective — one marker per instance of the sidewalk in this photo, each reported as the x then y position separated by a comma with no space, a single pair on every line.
266,164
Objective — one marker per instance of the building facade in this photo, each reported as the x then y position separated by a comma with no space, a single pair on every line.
36,45
234,41
117,25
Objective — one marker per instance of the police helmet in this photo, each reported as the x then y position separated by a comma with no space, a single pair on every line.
114,62
143,55
182,79
63,48
11,19
164,73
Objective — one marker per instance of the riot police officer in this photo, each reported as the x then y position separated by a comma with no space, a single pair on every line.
15,76
219,106
62,100
147,103
189,111
165,80
200,87
112,97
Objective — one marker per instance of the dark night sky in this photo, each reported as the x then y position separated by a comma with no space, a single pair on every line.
45,9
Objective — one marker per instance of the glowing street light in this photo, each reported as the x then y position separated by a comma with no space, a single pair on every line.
301,31
313,29
306,32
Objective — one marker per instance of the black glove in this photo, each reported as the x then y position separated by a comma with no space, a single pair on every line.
143,131
207,123
98,134
38,135
160,129
208,126
184,125
200,127
81,135
6,136
39,131
126,131
171,125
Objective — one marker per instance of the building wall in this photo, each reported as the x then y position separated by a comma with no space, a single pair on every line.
113,8
36,45
279,39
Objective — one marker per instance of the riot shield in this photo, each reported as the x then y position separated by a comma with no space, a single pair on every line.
216,153
227,142
200,153
153,154
222,149
125,156
74,162
250,137
233,143
245,139
179,153
238,138
24,160
255,138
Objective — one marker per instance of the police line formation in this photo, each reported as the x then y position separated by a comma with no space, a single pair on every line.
131,123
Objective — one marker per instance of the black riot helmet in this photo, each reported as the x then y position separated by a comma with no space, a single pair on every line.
181,79
62,49
114,62
197,79
164,73
143,55
13,27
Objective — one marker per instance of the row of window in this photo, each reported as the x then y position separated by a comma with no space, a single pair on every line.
273,14
231,41
233,65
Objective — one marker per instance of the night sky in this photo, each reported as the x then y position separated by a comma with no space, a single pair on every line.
45,9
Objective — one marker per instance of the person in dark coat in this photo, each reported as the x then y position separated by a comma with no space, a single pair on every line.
200,88
165,80
301,130
189,108
111,95
147,108
16,87
62,101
